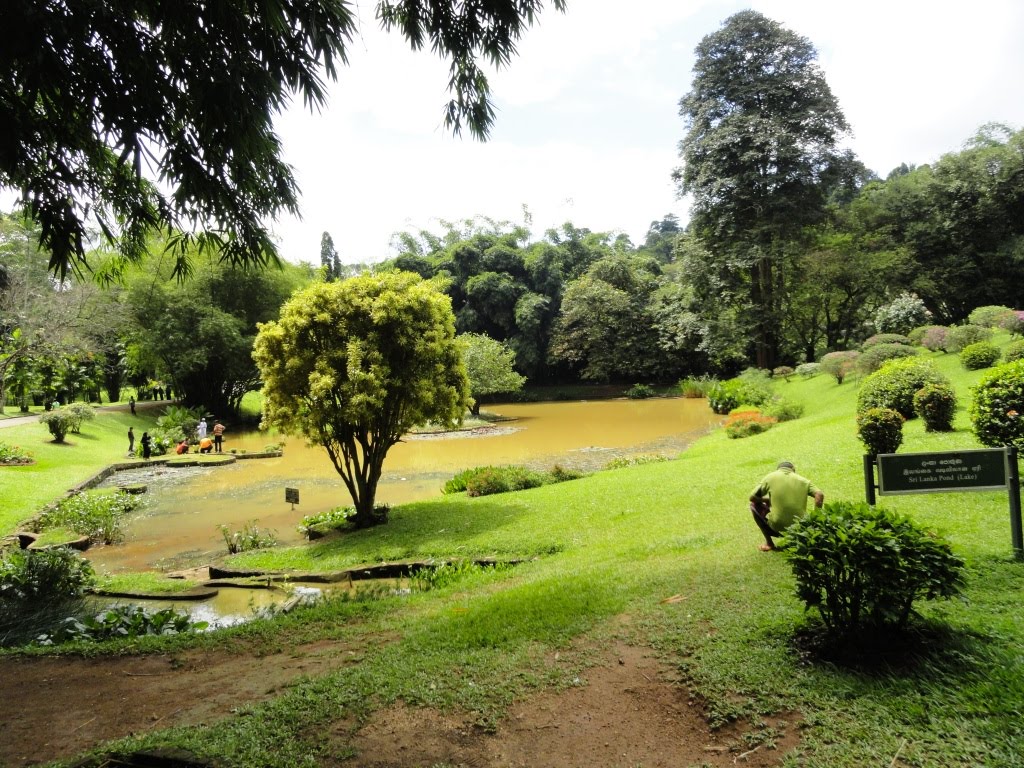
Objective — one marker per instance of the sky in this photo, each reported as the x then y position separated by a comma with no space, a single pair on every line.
587,127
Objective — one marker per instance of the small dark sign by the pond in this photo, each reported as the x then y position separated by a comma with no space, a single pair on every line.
974,470
291,495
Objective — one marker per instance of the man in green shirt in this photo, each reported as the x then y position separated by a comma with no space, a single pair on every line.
779,499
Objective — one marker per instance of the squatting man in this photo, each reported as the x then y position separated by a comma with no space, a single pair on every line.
780,499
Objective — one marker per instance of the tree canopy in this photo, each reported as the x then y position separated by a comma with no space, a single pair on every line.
489,365
355,364
130,115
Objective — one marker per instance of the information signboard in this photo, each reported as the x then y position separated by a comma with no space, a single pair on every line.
291,495
984,469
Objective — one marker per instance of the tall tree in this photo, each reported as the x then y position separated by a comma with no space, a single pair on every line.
762,127
100,100
489,367
329,260
354,365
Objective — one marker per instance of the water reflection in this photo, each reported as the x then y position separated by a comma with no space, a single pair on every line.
180,525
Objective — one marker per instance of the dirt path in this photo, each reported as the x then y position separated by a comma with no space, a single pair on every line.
625,713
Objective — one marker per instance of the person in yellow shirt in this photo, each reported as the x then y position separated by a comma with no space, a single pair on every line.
205,445
779,499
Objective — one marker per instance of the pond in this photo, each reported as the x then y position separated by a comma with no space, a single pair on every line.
186,505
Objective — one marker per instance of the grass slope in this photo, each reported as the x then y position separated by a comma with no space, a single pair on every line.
619,542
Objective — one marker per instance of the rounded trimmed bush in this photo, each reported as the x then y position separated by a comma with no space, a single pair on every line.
782,372
880,429
1014,351
936,404
873,357
894,384
808,370
998,405
979,355
960,336
886,338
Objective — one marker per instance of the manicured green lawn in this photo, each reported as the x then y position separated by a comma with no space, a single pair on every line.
617,544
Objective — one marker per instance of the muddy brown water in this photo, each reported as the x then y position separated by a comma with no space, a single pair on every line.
179,527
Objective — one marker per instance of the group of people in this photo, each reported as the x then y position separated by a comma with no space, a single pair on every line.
207,444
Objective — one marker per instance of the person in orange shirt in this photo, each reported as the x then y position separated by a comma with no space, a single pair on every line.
218,435
205,445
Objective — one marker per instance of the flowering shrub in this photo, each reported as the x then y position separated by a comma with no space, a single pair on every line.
14,454
782,372
904,312
747,423
839,364
934,338
808,370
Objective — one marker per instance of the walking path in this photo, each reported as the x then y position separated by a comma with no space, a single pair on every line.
32,418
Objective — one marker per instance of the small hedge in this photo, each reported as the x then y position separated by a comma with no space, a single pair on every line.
979,355
935,338
936,405
880,429
839,364
886,338
862,568
484,481
808,370
1014,351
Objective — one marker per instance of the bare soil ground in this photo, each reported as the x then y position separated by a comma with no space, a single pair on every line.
625,713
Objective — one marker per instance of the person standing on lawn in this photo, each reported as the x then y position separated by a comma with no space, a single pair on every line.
218,436
780,499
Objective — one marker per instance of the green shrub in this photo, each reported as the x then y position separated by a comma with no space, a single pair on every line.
781,409
250,537
991,316
96,514
808,370
782,372
935,338
894,384
747,423
1013,323
1014,351
79,413
41,576
979,355
122,622
901,314
918,333
59,422
639,392
321,521
997,406
501,479
426,579
749,388
874,357
886,338
960,336
880,429
936,404
862,568
839,364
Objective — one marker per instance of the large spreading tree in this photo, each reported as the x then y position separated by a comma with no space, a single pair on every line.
759,152
130,115
353,365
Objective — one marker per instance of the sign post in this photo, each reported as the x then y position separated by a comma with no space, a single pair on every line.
291,496
984,469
